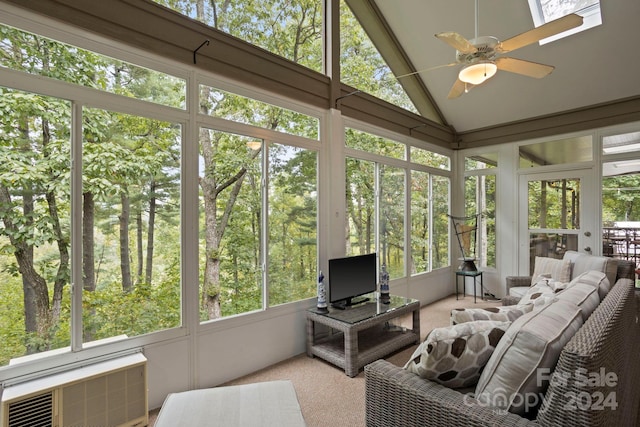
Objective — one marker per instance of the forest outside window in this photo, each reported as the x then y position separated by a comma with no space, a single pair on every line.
288,28
258,197
363,67
234,223
219,103
480,199
131,225
376,195
42,56
35,222
129,216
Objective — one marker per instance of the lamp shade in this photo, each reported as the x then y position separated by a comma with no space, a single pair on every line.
478,73
254,145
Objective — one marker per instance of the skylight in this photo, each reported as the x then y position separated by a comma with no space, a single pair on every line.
544,11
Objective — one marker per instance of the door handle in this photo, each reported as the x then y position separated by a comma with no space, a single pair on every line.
587,249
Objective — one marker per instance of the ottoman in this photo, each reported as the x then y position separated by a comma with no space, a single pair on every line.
272,403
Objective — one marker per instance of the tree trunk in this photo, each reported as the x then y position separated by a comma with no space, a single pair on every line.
150,232
214,227
125,265
88,251
89,277
211,283
63,274
139,249
36,293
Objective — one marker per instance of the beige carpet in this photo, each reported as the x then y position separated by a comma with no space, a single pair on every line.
327,396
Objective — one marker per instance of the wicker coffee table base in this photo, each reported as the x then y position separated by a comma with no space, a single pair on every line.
354,345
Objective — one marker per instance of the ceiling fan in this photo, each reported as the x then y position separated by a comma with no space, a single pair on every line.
480,60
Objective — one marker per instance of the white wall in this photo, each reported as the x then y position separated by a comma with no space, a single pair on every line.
232,348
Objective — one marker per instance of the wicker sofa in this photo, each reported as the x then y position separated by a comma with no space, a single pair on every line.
609,340
614,269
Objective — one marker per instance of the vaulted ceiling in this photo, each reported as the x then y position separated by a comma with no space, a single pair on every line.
597,67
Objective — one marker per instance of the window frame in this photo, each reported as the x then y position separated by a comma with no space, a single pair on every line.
408,166
592,17
189,119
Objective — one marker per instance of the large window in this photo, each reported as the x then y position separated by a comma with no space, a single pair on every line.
257,207
232,197
130,225
362,66
480,199
128,170
91,191
42,56
289,28
35,222
621,196
376,194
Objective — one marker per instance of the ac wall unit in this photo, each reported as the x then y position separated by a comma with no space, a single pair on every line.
109,393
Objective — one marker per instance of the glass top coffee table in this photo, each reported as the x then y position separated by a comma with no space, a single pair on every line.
363,333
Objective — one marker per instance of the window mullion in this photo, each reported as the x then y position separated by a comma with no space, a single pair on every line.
76,226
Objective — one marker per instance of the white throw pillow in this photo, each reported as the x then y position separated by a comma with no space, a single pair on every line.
582,263
514,379
558,269
455,355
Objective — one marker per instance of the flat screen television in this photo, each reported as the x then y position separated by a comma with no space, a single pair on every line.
350,278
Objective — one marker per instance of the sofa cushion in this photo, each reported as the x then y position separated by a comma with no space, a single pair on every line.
585,262
557,269
518,291
512,379
455,355
584,295
597,279
507,313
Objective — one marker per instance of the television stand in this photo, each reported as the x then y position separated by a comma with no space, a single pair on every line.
341,305
361,334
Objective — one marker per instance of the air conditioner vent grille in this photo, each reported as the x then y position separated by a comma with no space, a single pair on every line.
36,411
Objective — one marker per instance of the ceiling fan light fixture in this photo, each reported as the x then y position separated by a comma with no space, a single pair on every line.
476,74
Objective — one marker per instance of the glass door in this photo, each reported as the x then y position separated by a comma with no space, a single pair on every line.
555,216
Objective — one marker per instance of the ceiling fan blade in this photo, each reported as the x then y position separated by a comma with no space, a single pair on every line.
547,30
426,69
526,68
458,88
458,42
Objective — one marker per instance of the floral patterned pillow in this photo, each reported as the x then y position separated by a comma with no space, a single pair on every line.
454,356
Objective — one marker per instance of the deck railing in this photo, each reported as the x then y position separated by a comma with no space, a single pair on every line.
621,242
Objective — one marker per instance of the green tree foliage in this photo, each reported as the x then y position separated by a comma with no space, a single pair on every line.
123,155
362,66
620,198
292,29
292,224
131,186
34,192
